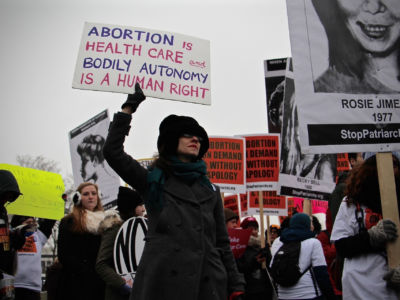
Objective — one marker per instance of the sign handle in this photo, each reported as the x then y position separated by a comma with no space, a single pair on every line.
268,233
262,233
390,208
307,209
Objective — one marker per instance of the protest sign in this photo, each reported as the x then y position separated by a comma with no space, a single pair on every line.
225,161
167,65
319,207
128,247
343,163
231,202
262,162
146,162
243,205
239,239
88,163
274,204
357,85
274,74
309,176
41,193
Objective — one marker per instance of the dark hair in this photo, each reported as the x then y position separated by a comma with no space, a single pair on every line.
316,224
345,53
352,155
92,146
362,185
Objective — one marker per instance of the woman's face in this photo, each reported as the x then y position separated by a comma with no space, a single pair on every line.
89,197
375,24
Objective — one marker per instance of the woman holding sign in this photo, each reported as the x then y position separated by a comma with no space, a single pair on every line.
187,253
364,46
361,235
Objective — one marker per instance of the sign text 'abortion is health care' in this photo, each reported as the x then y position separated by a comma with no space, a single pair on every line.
166,65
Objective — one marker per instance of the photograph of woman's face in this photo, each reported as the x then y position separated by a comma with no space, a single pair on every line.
375,24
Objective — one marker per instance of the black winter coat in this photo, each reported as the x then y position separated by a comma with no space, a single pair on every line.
77,252
187,255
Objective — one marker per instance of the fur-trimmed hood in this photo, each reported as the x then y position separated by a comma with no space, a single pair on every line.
111,219
254,241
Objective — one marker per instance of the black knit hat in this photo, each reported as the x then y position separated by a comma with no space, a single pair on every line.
128,200
229,214
8,183
173,127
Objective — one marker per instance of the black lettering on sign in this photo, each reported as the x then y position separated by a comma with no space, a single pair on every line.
127,247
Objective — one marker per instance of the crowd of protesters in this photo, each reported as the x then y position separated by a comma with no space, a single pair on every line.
187,253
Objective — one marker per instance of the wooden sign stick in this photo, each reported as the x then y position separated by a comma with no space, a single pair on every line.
390,208
307,207
261,204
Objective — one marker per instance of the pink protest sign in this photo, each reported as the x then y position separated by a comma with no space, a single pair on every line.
238,238
167,65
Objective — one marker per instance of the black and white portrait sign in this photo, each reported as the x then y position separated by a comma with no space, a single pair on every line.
88,163
274,73
310,176
347,74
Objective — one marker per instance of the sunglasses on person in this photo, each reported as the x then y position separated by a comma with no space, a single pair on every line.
188,135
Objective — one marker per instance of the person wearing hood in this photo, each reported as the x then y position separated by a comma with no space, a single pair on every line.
10,241
258,285
187,255
127,203
311,262
78,243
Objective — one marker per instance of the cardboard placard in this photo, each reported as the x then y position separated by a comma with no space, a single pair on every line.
262,162
167,65
225,161
274,204
41,193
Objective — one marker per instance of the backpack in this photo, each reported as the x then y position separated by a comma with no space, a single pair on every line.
285,266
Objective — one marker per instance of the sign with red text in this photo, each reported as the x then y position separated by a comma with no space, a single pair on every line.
231,202
274,204
238,238
166,65
343,163
296,204
225,161
262,162
243,205
319,207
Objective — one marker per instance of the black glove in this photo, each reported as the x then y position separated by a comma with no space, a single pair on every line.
381,233
134,99
17,236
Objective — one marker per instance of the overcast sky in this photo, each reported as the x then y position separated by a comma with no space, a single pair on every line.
39,47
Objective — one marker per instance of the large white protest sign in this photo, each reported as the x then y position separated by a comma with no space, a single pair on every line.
167,65
346,75
88,163
310,176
